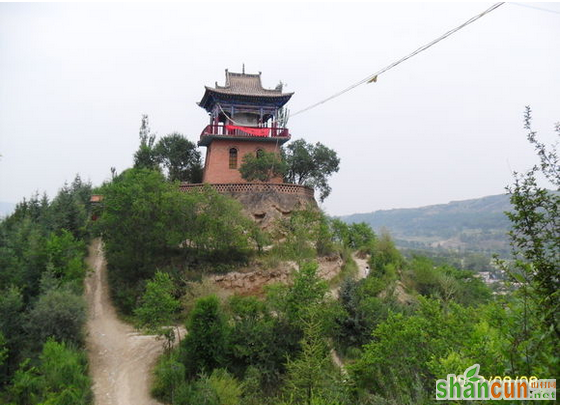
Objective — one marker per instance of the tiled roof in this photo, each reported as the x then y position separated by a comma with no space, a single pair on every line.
243,88
247,85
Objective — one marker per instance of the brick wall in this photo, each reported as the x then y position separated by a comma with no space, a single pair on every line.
217,169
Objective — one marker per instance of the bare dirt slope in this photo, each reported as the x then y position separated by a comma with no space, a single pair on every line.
251,281
120,358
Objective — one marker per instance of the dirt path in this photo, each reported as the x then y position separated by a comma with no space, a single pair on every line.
120,358
363,268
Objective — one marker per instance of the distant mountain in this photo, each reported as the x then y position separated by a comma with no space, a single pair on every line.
6,209
477,225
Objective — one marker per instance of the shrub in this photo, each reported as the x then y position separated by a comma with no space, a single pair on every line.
59,313
205,345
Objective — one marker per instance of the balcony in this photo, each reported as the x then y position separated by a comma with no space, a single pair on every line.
264,134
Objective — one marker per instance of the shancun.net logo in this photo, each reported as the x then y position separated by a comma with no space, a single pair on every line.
471,386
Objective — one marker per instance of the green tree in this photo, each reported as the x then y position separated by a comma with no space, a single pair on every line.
257,340
41,249
363,310
205,346
65,374
305,235
158,306
148,223
357,236
24,257
27,385
218,388
59,378
228,389
219,231
68,209
12,319
307,292
3,350
139,223
310,165
308,375
262,166
145,157
180,158
534,238
385,253
65,256
361,236
407,353
58,313
339,231
169,375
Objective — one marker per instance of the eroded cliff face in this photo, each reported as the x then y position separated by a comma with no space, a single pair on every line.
253,281
268,206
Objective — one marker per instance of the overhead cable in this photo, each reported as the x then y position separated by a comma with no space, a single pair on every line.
535,7
374,77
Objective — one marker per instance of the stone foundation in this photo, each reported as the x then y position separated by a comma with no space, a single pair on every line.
265,202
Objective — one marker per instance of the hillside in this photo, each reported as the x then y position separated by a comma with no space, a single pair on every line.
473,225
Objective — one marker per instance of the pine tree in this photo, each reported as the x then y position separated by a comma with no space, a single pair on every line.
308,374
145,156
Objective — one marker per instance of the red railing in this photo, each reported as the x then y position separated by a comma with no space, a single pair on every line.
221,130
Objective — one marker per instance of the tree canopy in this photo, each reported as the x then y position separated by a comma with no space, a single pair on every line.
535,239
179,158
173,154
262,166
148,223
310,165
145,156
42,249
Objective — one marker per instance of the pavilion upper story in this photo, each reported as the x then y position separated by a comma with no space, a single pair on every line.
242,108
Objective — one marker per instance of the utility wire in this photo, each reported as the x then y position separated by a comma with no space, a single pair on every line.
373,77
534,7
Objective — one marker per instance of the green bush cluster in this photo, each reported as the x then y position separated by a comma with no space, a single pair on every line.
147,224
250,347
42,312
277,350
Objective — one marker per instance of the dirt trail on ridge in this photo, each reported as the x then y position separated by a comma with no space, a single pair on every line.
120,358
363,269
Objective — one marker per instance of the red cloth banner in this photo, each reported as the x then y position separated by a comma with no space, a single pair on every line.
250,130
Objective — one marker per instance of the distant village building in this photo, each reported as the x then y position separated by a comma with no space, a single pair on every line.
243,119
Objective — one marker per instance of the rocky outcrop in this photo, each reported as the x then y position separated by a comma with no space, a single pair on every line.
265,203
268,206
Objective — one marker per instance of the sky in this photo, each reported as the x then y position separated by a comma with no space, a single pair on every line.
446,125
